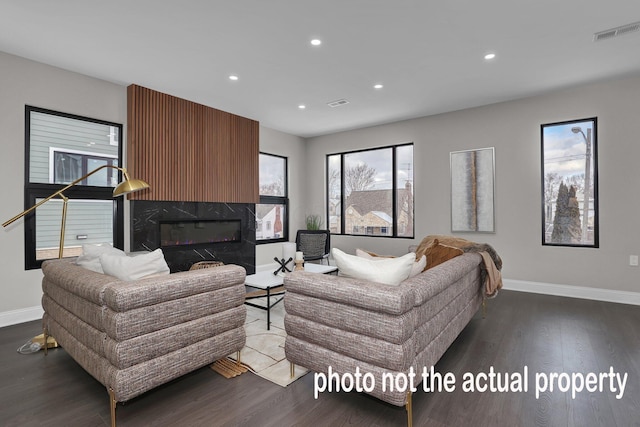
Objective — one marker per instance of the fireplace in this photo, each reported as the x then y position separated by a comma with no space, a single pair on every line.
189,232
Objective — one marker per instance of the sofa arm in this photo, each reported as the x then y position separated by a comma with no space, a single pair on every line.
377,297
125,296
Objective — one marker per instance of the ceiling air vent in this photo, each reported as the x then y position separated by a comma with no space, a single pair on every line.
338,103
615,32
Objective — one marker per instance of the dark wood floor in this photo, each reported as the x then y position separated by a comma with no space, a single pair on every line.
545,333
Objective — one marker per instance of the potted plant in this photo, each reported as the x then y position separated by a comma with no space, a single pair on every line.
314,222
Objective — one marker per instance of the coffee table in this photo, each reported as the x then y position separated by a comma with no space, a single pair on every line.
269,285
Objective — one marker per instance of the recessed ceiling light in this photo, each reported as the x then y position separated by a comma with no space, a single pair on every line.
316,42
378,86
233,77
489,56
302,106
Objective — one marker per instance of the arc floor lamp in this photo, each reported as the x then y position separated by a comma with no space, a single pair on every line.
128,185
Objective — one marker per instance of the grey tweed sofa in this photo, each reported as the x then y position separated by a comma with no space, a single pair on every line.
134,336
345,323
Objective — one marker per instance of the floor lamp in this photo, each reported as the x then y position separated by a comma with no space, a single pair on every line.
127,186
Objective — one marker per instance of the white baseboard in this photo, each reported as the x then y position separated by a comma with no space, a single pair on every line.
598,294
14,317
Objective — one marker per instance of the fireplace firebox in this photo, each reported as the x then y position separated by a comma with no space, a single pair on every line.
186,233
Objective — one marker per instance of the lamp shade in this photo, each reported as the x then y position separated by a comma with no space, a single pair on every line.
129,186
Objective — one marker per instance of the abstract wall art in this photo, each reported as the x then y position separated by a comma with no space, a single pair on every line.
472,190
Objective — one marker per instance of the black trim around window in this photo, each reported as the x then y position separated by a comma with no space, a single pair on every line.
394,193
278,200
32,191
548,217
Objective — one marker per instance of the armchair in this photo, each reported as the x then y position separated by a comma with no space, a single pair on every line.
314,244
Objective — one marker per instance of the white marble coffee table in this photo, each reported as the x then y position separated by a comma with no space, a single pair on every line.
268,285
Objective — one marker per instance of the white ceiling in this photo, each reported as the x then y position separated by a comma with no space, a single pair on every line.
428,54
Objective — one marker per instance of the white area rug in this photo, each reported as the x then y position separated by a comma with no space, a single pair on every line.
264,351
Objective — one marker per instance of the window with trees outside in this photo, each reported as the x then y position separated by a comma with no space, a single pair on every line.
272,219
570,183
370,192
61,148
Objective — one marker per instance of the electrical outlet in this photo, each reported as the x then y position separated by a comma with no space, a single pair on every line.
633,260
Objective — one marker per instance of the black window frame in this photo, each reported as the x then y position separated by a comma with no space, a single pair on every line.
596,195
278,200
394,192
33,191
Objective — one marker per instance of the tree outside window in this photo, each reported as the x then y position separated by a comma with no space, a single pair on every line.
370,192
570,183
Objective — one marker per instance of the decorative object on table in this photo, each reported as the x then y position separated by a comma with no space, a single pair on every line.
314,243
472,190
282,269
286,262
127,186
299,261
570,183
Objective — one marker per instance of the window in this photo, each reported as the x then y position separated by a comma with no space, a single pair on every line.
370,192
67,166
570,183
272,220
60,148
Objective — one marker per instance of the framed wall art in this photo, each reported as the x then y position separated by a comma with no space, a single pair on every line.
570,183
472,190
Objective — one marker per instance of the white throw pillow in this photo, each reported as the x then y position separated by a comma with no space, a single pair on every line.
90,258
136,267
390,271
416,268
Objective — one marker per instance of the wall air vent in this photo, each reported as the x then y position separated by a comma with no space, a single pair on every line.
615,32
338,103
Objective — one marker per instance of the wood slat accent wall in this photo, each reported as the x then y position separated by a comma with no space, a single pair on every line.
190,152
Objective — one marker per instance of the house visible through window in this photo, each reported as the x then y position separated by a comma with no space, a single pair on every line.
370,192
271,213
61,148
68,166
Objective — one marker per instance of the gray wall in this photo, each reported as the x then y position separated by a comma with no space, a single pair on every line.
513,128
23,83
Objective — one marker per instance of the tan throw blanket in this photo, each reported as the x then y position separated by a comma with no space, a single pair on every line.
492,263
493,280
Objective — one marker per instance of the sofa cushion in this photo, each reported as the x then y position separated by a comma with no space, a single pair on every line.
90,258
390,271
417,268
438,253
135,267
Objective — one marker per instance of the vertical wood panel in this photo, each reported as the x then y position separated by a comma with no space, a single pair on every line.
189,152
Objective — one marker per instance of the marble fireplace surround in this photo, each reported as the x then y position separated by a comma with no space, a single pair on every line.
147,215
